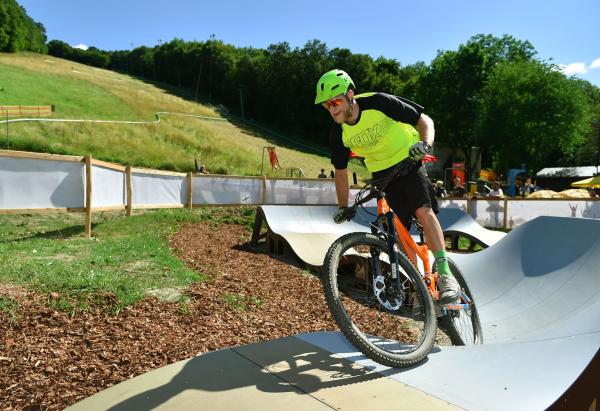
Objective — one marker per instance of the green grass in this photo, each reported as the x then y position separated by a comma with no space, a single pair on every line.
74,98
10,308
241,301
84,92
128,256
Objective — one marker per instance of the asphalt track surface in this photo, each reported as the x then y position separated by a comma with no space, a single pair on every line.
537,292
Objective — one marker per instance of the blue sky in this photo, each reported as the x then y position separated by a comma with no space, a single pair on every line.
568,32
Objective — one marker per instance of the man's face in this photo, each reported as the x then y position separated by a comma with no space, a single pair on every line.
339,108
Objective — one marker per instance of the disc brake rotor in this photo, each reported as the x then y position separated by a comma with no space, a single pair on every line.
390,301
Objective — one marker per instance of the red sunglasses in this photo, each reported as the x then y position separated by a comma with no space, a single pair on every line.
334,102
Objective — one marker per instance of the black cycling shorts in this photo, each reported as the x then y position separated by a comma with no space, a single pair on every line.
405,194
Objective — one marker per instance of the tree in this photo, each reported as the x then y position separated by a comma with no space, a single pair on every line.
59,49
589,151
359,66
18,32
92,56
387,76
142,62
530,111
452,85
4,27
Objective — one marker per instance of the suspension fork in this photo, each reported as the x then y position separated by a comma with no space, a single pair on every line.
393,249
375,262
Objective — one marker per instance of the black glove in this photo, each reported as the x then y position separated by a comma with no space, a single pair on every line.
419,149
344,214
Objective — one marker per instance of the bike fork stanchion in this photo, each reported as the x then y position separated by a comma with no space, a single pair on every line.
393,250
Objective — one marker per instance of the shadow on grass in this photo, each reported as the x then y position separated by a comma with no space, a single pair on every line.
63,233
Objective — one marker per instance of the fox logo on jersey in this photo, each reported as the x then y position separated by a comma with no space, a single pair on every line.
371,135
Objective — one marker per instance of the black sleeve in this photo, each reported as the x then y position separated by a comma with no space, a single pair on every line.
398,108
339,153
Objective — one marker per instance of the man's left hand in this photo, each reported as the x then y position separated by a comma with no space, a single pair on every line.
419,149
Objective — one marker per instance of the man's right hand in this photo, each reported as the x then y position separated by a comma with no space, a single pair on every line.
344,214
418,150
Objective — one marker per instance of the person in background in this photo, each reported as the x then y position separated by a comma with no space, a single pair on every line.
496,190
322,174
459,189
527,188
440,191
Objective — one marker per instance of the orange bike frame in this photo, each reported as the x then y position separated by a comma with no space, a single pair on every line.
413,250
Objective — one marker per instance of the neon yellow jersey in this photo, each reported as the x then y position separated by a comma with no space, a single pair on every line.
383,134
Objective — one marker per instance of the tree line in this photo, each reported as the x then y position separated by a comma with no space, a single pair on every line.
18,32
493,93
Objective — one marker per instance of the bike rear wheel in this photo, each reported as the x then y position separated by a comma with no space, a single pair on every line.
390,325
462,326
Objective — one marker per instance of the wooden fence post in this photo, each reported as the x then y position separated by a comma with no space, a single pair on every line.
505,222
470,204
128,188
190,202
263,197
88,196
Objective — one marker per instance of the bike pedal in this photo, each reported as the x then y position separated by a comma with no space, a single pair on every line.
456,306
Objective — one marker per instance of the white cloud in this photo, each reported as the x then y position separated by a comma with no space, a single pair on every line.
595,64
81,46
573,68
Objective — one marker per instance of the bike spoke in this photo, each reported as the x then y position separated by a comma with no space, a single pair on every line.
392,319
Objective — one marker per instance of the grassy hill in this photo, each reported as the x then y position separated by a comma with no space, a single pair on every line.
84,92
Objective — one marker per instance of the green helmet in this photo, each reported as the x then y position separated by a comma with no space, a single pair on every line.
331,84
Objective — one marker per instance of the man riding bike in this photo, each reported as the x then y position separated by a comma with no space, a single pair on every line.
392,134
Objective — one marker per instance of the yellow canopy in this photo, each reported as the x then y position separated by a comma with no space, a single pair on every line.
593,182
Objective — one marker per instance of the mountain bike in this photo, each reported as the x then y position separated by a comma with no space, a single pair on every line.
384,305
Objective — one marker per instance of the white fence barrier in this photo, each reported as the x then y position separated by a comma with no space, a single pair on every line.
224,190
38,184
159,190
488,213
301,191
43,182
520,211
108,186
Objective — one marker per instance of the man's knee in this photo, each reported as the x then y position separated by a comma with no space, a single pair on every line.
423,213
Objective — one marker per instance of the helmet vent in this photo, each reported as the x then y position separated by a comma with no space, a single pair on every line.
322,86
340,74
334,87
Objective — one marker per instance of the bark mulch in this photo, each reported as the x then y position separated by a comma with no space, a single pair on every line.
50,360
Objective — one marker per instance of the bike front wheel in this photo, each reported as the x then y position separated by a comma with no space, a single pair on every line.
391,322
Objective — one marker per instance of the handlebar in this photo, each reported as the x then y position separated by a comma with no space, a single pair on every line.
376,188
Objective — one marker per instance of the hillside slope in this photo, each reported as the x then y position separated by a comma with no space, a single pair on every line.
83,92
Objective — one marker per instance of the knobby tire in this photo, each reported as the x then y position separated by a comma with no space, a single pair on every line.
353,332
